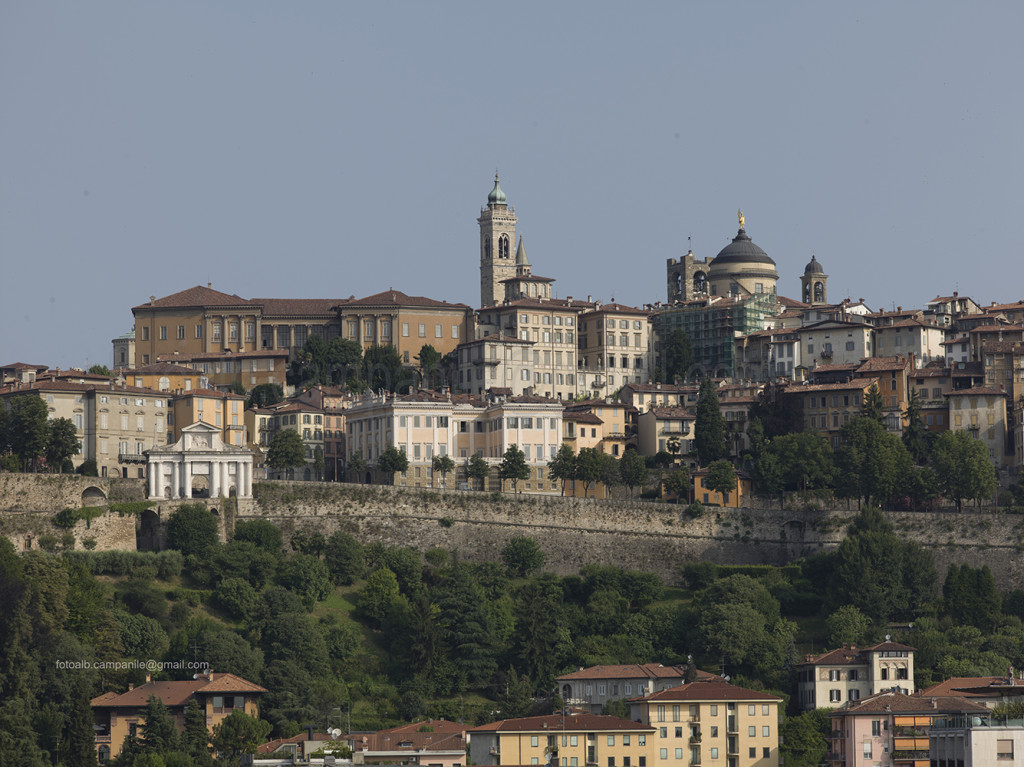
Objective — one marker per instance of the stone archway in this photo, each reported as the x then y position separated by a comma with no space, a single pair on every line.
200,486
93,496
147,531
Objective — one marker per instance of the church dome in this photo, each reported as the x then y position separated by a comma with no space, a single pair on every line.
742,250
813,267
496,197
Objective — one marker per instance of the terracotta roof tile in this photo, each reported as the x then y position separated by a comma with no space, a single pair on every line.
951,686
633,671
397,298
298,307
707,690
900,703
197,297
558,722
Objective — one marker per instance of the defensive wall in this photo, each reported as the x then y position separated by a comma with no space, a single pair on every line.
634,534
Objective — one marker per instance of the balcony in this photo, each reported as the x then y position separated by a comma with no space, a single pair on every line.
131,458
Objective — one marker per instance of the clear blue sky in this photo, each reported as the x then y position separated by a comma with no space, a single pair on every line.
328,149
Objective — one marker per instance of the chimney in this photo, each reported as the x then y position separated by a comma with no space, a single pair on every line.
149,678
209,284
131,686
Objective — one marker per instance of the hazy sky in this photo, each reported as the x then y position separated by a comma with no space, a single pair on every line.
328,149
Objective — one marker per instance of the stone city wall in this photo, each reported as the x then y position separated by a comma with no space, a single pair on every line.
572,532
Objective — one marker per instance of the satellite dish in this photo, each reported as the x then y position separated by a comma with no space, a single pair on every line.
335,732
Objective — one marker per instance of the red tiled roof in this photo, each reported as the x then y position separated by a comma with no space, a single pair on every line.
438,725
197,297
853,654
633,671
976,391
707,690
882,363
672,412
396,298
297,307
900,703
559,722
576,416
390,740
216,394
857,383
159,368
23,366
952,686
176,693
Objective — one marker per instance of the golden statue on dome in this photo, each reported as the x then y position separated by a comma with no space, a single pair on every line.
743,221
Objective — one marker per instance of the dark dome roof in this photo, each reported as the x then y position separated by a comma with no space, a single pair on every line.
813,267
742,250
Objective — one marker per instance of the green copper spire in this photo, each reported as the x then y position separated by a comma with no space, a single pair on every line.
496,197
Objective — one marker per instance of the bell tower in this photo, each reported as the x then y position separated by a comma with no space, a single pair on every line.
814,284
497,233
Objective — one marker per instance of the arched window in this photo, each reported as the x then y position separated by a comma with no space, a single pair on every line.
503,246
165,383
700,282
807,293
819,292
487,247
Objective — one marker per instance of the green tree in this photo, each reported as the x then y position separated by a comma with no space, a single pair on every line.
513,466
286,450
467,628
589,467
392,461
192,529
318,463
516,698
963,467
709,429
608,472
879,573
159,733
873,406
236,597
378,595
384,370
443,465
916,437
261,533
88,468
721,477
522,556
676,358
563,466
804,460
27,428
678,483
195,740
237,734
101,370
430,362
308,577
804,738
343,555
357,465
478,468
847,625
61,442
674,445
263,395
633,470
873,464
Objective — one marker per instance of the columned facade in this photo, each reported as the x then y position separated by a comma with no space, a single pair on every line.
199,465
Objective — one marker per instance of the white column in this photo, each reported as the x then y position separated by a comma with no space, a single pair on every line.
186,471
225,477
153,467
247,471
175,483
214,479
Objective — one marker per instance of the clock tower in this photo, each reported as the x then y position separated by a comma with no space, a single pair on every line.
497,233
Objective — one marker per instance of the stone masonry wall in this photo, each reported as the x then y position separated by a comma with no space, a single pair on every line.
572,532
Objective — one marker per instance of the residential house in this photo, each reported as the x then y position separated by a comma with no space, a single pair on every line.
734,498
615,347
914,338
228,370
712,722
975,740
117,715
851,673
20,372
981,412
892,375
164,376
495,361
425,424
308,421
664,428
890,729
566,739
593,687
931,384
614,422
115,424
434,743
826,408
946,311
833,342
766,355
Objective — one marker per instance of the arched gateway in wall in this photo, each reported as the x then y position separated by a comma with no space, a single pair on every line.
201,461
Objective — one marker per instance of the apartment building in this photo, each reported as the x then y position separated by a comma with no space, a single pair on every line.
712,722
662,428
164,376
891,729
615,347
308,421
115,424
495,361
593,687
826,408
614,418
766,355
427,424
981,412
833,342
851,673
551,326
914,338
564,739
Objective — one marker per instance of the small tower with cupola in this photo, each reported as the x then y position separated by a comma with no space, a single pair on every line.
497,235
814,284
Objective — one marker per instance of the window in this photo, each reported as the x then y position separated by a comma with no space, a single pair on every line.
765,709
663,753
752,731
661,714
752,710
611,740
423,330
679,753
714,710
534,741
714,731
766,731
752,753
641,740
876,728
1004,749
714,753
833,675
867,749
663,732
216,331
679,732
835,696
766,752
